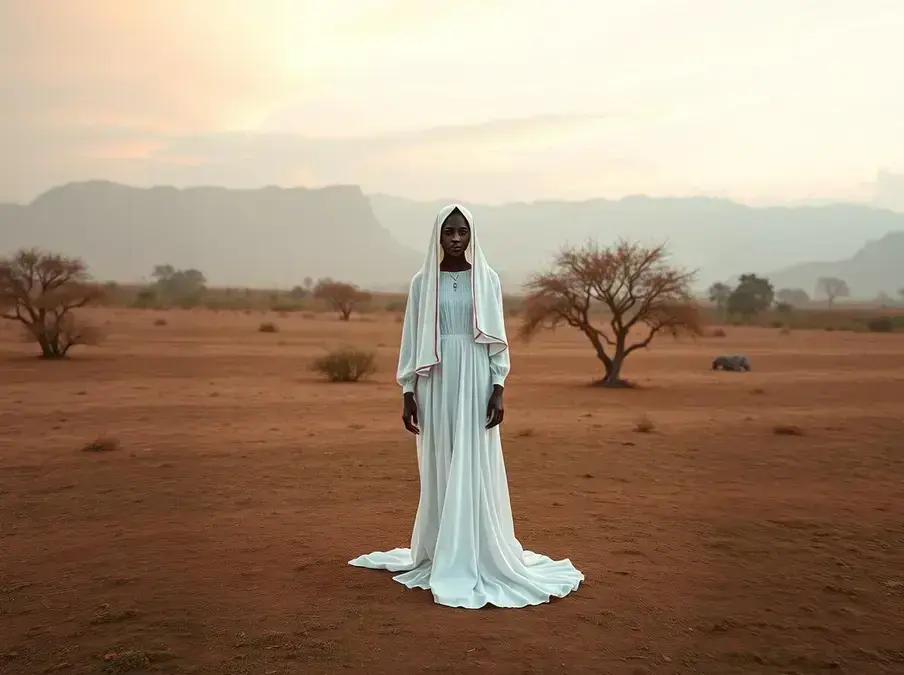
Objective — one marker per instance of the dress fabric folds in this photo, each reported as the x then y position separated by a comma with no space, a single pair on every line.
463,546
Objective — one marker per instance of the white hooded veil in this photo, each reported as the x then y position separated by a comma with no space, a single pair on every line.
488,320
463,545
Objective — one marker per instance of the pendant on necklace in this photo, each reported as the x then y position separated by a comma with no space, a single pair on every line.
454,285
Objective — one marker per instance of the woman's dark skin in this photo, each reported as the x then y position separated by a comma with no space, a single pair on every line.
455,237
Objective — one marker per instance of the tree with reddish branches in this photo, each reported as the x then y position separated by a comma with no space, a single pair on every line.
342,297
41,290
631,285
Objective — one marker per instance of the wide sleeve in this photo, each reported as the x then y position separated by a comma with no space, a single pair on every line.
500,364
406,375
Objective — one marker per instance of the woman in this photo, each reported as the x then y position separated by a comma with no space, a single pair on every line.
452,368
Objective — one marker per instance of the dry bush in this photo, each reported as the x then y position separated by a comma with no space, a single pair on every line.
396,306
644,425
717,333
346,365
268,327
880,324
787,430
102,444
161,322
41,291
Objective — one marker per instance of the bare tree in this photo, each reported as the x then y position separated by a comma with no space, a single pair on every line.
831,288
637,286
342,297
40,290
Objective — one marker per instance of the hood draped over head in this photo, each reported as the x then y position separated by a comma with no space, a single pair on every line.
487,320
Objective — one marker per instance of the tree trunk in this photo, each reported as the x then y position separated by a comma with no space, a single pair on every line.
613,366
50,349
49,344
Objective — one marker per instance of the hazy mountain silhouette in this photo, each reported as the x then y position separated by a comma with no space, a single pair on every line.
719,238
266,237
278,236
877,267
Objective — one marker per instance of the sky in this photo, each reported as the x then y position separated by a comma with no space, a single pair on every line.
762,101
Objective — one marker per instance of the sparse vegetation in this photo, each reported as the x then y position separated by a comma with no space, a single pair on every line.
644,425
634,283
183,288
880,324
268,327
751,296
343,298
792,297
42,291
784,308
832,288
102,444
346,365
718,294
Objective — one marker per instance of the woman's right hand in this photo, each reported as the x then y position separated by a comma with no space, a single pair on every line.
409,413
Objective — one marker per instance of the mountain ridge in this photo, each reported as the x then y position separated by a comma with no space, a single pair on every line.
269,237
276,236
718,237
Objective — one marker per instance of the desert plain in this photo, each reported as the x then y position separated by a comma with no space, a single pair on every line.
184,498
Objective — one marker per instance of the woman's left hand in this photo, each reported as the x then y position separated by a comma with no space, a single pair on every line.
495,408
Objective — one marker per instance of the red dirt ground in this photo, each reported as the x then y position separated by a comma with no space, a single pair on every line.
215,538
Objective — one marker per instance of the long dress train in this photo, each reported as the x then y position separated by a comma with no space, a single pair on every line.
463,546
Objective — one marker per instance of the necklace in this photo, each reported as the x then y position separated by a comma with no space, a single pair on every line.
454,280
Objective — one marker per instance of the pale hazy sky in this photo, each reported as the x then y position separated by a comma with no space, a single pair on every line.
483,100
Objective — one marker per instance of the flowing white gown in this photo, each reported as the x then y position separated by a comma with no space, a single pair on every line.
463,547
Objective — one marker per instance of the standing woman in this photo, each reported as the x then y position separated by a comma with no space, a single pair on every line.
452,368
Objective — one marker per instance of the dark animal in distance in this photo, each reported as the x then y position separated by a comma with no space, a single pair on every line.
735,363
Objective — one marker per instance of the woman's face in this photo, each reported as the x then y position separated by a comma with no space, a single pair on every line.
455,235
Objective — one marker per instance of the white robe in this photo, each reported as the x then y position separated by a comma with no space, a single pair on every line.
463,546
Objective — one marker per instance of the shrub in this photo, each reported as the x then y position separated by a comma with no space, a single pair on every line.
644,425
346,365
268,327
396,306
880,324
717,333
102,444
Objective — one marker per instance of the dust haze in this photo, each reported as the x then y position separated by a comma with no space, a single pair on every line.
210,213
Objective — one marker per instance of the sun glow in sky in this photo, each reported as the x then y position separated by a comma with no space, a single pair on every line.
484,100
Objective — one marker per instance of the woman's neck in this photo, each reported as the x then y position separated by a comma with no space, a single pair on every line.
459,264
